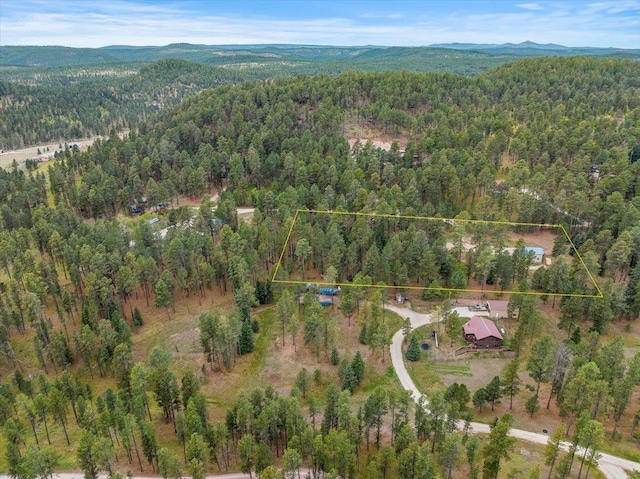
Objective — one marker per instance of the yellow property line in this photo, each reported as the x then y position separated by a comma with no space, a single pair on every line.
422,288
284,248
434,218
600,295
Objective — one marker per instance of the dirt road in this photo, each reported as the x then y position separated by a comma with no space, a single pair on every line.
613,467
46,150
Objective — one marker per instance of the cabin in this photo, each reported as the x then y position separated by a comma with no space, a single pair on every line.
482,333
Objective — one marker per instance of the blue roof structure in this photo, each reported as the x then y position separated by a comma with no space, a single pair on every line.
535,249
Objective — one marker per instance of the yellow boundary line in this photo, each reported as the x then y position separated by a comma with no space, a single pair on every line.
284,248
422,288
593,281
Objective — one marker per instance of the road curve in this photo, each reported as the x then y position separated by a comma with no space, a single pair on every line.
613,467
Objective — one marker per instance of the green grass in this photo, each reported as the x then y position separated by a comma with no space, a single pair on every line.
387,381
454,369
626,449
423,375
393,322
266,318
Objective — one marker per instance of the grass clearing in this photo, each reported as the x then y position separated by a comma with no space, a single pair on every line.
423,375
453,369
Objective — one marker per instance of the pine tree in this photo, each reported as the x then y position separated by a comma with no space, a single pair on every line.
349,380
260,292
357,364
363,334
245,342
137,317
479,398
494,391
499,446
553,447
532,406
335,357
163,296
511,381
168,464
413,351
303,382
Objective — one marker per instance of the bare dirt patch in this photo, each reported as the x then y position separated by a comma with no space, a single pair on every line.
356,130
382,143
542,239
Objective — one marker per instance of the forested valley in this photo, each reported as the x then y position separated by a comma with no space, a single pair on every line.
147,343
58,94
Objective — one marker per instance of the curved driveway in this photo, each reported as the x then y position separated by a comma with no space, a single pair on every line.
613,467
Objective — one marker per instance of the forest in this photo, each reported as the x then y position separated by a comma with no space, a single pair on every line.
157,343
62,94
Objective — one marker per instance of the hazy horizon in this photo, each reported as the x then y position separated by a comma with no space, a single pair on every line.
81,23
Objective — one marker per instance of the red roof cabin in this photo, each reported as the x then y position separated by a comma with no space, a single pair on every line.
482,332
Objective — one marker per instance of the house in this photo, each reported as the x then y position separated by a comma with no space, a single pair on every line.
482,332
500,309
538,253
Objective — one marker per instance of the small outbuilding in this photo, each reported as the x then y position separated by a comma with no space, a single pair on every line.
536,252
482,332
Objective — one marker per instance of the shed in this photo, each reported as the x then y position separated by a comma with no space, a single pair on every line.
538,253
329,291
325,300
482,332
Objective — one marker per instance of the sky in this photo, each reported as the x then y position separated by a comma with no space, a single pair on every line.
98,23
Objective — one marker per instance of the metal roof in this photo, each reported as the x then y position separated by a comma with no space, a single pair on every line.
481,328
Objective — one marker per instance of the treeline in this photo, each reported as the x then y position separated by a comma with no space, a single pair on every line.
92,94
80,105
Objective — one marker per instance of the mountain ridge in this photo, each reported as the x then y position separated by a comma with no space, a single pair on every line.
57,56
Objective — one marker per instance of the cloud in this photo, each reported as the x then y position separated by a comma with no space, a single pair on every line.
530,6
613,8
389,16
83,24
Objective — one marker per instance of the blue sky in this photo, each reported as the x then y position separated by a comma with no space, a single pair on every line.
96,23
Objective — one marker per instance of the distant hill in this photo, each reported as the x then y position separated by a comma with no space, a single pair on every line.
50,93
51,56
534,49
54,56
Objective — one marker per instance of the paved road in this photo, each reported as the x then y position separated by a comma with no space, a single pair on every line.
613,467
